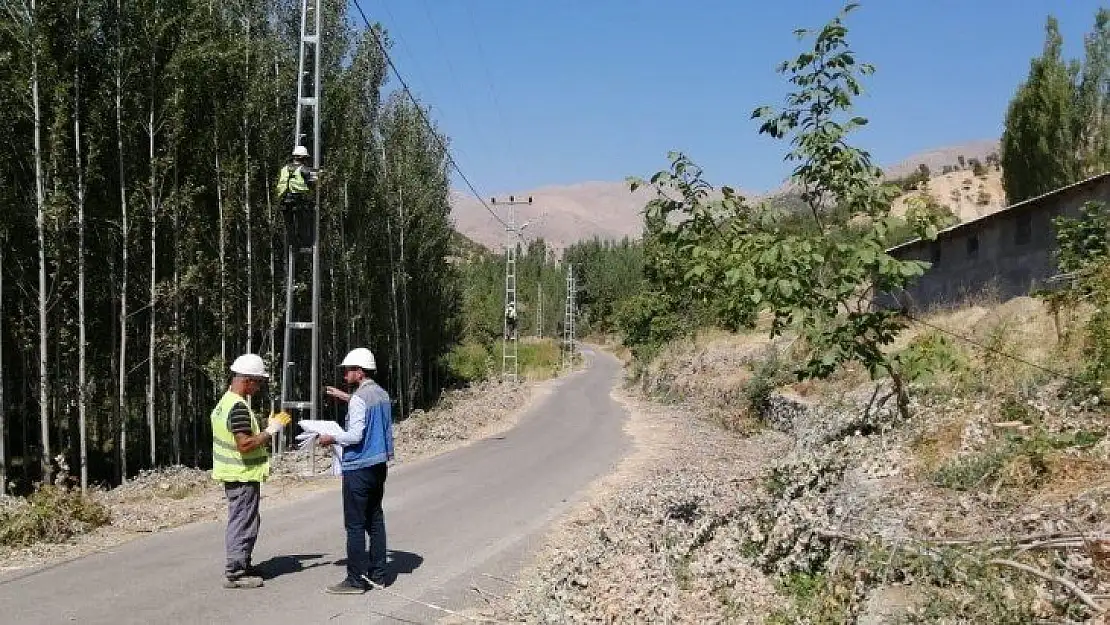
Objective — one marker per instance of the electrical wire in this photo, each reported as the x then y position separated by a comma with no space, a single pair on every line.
424,117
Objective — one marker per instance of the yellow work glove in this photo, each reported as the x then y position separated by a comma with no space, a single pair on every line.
278,421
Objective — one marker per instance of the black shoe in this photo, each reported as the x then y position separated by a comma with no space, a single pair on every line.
345,587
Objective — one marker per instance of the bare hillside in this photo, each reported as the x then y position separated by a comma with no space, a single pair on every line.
561,215
564,214
937,158
969,196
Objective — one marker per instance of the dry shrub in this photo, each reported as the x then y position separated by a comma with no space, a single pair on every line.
51,514
936,447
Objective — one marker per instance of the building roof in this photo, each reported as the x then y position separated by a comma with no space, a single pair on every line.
1013,207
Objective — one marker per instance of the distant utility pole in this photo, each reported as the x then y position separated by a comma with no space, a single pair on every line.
510,370
568,320
539,308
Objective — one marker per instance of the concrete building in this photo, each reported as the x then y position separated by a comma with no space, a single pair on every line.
1008,253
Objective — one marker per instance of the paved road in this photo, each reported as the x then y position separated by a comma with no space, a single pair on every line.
450,519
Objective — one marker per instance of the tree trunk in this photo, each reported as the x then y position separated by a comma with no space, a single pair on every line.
3,414
223,246
399,376
247,193
150,421
81,372
124,232
405,297
178,351
40,224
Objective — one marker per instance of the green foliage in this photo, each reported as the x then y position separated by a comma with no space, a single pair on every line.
647,321
714,247
1083,250
924,214
51,514
608,273
469,362
1083,243
929,354
768,374
1056,124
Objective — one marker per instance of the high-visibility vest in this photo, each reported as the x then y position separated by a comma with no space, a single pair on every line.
291,179
228,463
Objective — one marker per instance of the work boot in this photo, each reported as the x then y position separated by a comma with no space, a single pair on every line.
345,587
248,577
244,581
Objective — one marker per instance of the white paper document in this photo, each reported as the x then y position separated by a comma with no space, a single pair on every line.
313,428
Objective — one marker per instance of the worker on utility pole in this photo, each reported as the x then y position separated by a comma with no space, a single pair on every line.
296,182
367,442
241,460
510,321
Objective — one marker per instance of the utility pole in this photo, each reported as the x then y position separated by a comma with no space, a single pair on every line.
539,306
510,369
309,99
568,320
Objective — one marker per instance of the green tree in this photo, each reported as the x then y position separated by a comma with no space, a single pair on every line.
819,283
1057,127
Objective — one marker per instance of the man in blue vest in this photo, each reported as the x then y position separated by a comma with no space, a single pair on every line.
367,443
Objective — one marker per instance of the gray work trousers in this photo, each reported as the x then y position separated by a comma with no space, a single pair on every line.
242,525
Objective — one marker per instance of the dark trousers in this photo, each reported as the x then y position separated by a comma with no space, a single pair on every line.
362,514
299,219
243,522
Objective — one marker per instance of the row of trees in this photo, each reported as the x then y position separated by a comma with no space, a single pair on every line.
541,293
1057,127
142,247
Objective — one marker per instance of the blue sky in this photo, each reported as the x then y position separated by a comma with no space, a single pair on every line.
535,93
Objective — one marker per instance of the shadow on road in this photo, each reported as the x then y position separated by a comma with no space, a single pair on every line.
284,565
397,562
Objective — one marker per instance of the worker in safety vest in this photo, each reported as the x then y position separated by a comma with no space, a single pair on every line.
241,460
296,183
510,321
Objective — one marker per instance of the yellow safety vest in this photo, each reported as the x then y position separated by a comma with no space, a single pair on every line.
228,463
291,179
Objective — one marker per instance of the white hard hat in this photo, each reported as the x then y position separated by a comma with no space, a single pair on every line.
300,150
360,357
250,365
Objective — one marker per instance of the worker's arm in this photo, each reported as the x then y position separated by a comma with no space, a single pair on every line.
356,425
335,393
239,422
283,180
250,442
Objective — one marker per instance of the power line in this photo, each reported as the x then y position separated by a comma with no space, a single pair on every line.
423,116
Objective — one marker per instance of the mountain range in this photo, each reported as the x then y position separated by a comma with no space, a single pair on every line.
564,214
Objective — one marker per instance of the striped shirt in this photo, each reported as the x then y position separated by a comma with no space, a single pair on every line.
239,420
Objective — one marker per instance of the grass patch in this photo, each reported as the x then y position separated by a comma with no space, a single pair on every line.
537,359
51,514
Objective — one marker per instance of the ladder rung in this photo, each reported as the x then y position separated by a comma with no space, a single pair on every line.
308,101
296,405
300,325
309,39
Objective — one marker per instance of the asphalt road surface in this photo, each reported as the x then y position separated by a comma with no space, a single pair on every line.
452,521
